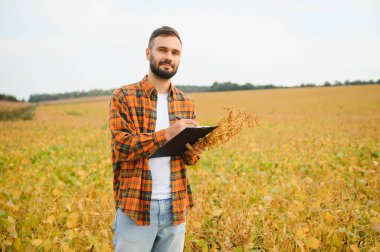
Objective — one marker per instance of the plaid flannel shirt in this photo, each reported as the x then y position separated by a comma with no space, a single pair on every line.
132,123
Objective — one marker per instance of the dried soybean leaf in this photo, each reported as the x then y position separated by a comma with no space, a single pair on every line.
229,126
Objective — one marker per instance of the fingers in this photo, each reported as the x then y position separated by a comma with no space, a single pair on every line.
189,147
197,149
190,123
194,150
180,125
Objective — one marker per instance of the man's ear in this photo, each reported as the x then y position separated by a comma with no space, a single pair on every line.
147,53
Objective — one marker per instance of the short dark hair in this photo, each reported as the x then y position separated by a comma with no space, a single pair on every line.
165,31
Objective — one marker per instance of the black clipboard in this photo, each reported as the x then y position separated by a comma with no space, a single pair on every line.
177,145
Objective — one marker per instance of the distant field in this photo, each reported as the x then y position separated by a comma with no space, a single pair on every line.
10,111
10,105
308,178
77,100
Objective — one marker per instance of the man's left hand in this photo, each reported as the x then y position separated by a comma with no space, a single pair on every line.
194,150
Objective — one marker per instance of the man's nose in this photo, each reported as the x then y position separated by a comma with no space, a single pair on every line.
169,56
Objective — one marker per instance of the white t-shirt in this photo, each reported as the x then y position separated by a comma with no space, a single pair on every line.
160,167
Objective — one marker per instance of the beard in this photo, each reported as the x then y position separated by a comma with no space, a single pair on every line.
163,74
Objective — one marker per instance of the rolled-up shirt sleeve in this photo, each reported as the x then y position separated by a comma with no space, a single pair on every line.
126,143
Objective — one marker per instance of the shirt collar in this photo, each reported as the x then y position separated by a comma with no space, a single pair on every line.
149,88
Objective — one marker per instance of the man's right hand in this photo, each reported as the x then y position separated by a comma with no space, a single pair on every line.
178,126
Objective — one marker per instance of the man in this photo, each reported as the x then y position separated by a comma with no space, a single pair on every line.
152,195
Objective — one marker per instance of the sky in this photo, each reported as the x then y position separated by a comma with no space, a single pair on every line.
56,46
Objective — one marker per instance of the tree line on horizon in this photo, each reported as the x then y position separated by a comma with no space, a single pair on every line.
6,97
215,87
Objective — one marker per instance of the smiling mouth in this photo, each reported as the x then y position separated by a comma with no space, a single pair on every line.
166,65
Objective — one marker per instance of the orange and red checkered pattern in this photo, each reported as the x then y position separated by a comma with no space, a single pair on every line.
132,123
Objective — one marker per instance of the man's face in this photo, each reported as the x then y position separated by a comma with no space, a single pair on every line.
164,56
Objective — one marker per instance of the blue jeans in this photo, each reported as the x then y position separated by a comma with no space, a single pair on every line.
159,236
